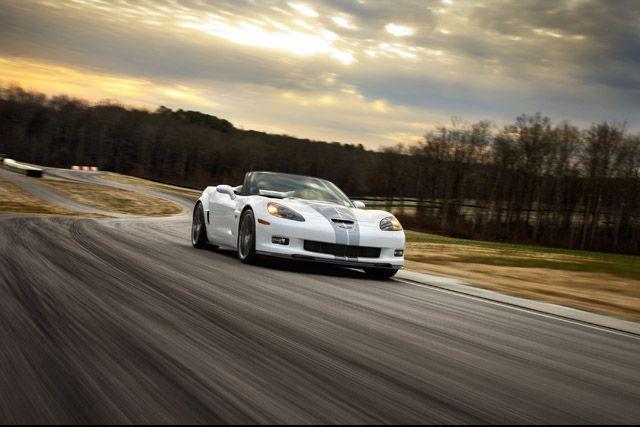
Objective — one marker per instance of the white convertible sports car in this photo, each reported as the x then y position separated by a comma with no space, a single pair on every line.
298,217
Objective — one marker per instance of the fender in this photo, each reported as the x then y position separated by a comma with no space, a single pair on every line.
204,199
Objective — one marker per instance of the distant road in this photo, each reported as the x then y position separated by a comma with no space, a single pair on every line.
121,320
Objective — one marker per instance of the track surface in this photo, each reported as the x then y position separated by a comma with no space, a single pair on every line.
121,320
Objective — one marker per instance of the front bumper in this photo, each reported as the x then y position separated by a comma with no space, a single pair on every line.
297,233
333,261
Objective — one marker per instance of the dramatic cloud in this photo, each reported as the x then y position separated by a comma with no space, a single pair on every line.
363,71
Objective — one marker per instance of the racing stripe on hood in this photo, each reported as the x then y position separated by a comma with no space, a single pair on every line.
346,234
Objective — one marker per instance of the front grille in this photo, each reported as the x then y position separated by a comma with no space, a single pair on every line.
341,250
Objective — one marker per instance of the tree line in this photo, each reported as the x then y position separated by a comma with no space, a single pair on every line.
531,181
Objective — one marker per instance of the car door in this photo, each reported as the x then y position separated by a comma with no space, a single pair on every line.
222,209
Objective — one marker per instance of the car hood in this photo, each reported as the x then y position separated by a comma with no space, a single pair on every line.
330,211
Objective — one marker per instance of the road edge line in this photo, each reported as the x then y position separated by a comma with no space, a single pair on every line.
557,310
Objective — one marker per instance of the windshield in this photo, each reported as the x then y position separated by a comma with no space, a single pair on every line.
284,186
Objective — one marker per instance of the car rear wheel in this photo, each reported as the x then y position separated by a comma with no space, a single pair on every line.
247,238
198,232
380,273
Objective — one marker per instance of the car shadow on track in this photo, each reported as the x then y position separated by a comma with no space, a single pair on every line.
296,266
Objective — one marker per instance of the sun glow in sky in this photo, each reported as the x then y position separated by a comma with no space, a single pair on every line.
365,72
272,35
398,30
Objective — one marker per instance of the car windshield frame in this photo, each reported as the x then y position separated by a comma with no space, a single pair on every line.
288,186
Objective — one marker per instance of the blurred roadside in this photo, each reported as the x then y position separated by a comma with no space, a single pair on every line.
598,282
54,194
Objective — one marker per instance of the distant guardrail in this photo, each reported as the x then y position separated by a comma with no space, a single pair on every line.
84,168
14,166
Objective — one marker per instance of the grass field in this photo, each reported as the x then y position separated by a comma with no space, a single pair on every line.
15,200
600,282
114,199
130,180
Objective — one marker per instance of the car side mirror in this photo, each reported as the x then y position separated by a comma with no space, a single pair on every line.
358,204
226,189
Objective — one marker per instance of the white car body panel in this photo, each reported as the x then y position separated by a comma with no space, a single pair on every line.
223,212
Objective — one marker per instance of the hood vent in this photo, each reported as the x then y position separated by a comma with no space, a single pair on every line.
342,221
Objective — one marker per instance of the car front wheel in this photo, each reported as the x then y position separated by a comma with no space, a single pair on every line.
247,238
198,232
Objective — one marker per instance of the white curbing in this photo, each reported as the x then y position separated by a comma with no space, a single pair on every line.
465,288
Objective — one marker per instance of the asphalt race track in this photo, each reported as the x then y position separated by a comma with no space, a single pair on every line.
121,320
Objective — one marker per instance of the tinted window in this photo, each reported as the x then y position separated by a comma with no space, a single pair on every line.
282,186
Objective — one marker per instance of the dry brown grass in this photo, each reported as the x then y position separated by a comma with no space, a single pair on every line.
114,200
602,284
14,199
130,180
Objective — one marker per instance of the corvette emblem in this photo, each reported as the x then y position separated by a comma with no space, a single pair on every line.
346,226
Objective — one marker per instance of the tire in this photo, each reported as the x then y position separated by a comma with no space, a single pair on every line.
380,273
247,238
198,228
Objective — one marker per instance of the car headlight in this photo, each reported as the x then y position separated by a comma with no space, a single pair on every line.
280,211
390,223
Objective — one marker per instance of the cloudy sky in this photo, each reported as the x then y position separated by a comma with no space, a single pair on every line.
356,71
